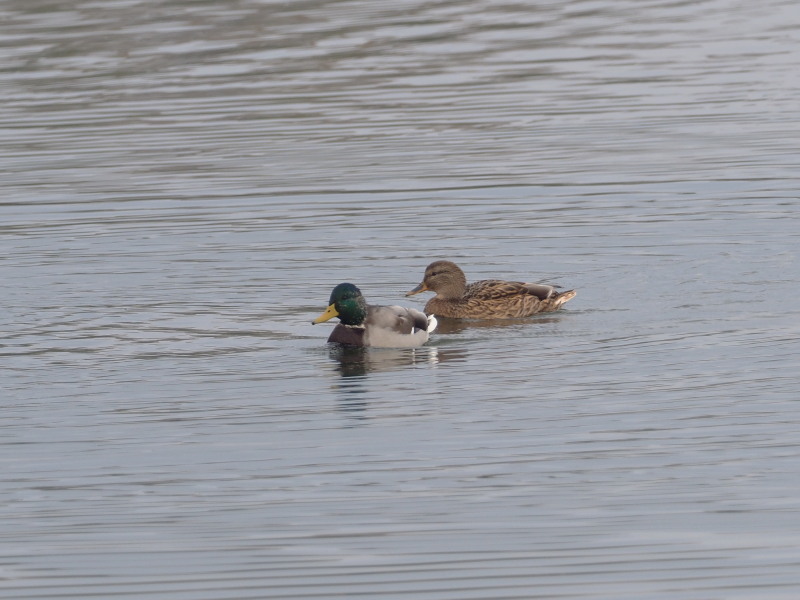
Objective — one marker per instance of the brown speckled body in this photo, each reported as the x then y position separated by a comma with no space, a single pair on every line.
486,299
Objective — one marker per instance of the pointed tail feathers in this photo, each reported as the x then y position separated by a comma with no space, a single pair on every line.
564,297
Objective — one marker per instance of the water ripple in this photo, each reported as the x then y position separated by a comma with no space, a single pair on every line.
183,184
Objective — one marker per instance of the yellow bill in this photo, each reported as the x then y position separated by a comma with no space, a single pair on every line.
329,313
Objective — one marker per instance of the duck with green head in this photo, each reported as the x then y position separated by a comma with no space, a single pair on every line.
377,326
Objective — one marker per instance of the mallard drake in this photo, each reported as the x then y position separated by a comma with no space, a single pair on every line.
487,299
376,326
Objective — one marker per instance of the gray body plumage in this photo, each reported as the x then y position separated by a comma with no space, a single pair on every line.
387,327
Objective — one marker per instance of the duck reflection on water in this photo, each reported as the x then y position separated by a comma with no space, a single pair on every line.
451,326
355,364
353,361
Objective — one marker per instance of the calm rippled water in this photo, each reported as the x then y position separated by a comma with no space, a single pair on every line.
184,183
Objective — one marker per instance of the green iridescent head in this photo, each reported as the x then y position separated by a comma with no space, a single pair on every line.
347,303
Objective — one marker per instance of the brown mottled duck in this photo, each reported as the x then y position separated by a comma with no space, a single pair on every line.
486,299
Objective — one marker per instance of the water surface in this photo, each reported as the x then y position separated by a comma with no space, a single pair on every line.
185,182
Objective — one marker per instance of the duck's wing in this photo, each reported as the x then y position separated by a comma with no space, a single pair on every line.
399,319
496,289
541,290
396,326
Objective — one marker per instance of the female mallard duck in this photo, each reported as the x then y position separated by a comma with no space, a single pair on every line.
487,299
376,326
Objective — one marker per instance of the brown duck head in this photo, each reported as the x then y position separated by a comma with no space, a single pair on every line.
443,277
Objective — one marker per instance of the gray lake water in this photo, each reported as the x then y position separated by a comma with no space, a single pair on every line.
183,183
